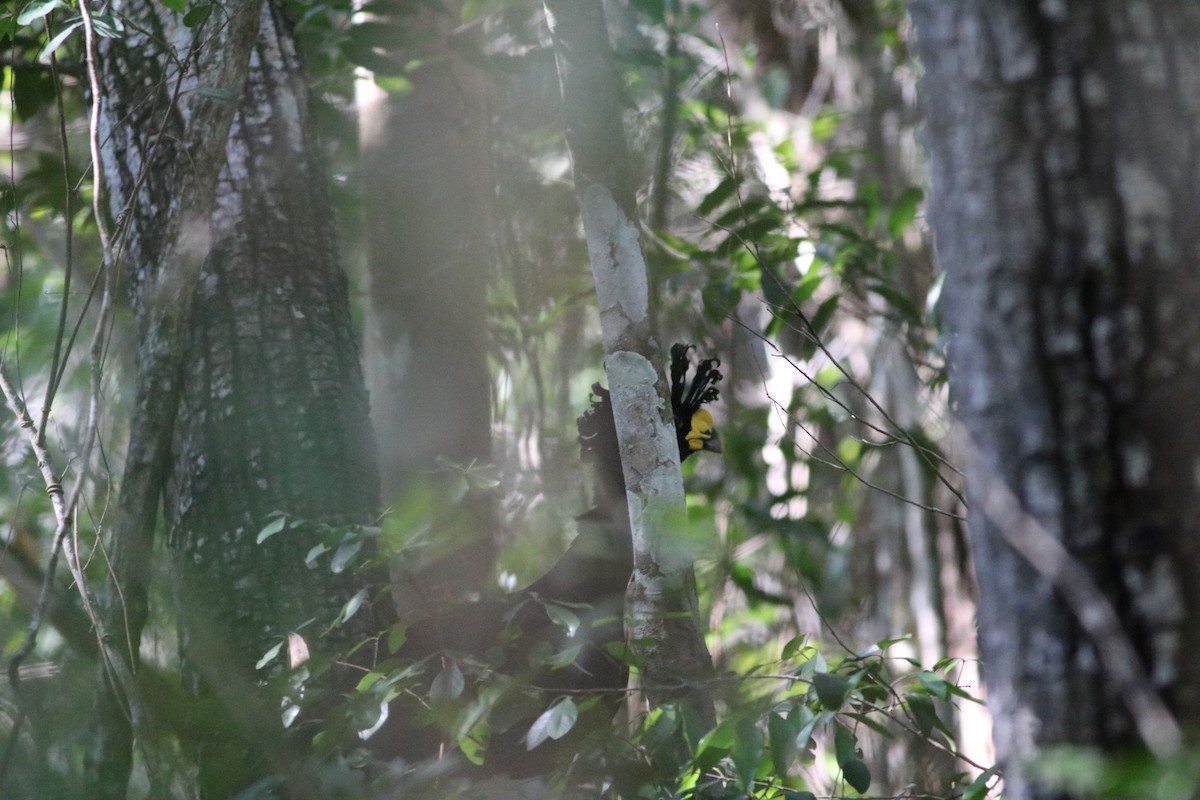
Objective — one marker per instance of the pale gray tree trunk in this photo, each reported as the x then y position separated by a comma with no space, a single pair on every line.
662,597
1063,140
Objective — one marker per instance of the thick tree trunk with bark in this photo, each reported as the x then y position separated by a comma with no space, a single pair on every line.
1063,140
250,395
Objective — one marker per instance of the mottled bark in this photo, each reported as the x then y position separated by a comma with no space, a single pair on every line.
250,397
662,597
161,201
1063,140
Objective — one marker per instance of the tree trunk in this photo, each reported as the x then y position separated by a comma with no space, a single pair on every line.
425,155
1064,189
662,597
265,408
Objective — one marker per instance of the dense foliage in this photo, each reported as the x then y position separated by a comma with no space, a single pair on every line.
782,222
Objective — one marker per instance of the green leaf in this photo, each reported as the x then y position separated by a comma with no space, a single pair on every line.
936,686
268,656
175,5
845,745
849,758
789,795
553,723
660,726
368,680
563,617
38,9
197,15
923,712
747,752
793,647
904,210
825,126
352,606
717,196
884,644
831,689
57,41
804,721
289,715
448,684
714,745
565,657
32,90
107,26
857,775
396,637
315,552
271,528
781,733
979,787
896,299
346,551
807,286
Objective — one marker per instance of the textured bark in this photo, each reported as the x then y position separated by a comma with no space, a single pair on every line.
1063,141
162,201
265,409
662,597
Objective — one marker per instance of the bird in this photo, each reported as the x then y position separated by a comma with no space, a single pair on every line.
560,638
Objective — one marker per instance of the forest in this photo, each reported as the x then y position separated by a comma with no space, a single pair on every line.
697,399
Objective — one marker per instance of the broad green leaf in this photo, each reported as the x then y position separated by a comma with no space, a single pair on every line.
717,196
315,552
346,551
857,775
793,647
849,758
979,787
804,721
781,733
38,9
368,680
57,41
831,689
197,15
747,752
923,712
936,686
352,606
31,91
563,617
108,26
565,657
715,745
448,684
904,210
175,5
553,723
825,126
396,637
